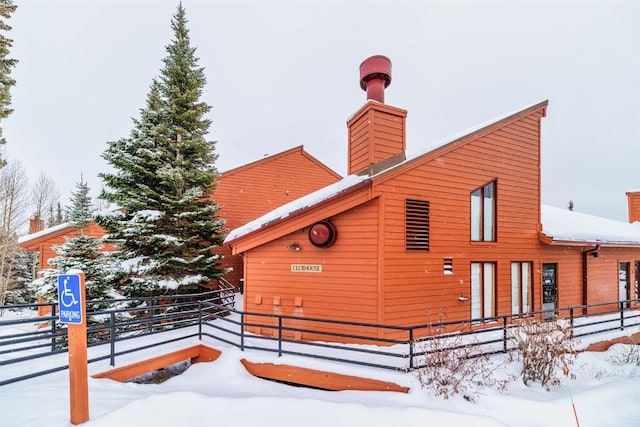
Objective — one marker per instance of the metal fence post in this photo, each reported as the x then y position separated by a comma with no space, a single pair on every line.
279,336
571,321
53,327
622,315
242,331
152,311
504,334
112,339
411,349
200,320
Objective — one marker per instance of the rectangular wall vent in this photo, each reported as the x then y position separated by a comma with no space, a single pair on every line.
417,225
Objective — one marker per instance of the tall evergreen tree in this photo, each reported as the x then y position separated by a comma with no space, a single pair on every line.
6,64
79,252
168,226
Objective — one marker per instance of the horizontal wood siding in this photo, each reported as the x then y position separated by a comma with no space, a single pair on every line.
376,133
249,192
603,275
388,134
633,200
416,287
44,244
344,290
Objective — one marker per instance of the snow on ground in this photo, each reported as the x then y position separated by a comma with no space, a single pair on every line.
223,393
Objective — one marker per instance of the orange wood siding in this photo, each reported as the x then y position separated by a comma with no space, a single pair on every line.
633,199
415,286
252,190
376,132
44,244
369,276
346,289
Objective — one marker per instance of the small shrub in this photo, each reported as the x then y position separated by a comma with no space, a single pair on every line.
627,354
546,348
450,366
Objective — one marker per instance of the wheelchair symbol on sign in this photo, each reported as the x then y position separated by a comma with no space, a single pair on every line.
67,295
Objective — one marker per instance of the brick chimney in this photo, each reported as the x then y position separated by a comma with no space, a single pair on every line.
377,133
35,225
633,200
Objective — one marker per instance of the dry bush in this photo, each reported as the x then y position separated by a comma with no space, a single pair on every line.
546,348
627,354
451,366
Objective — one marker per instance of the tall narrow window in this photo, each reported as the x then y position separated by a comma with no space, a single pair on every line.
483,290
483,213
521,295
417,225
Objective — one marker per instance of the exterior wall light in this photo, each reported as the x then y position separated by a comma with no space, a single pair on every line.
294,247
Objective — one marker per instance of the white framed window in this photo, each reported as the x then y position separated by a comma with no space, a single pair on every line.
483,290
521,293
483,213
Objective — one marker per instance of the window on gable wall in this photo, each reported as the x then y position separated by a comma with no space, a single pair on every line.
521,295
416,225
483,213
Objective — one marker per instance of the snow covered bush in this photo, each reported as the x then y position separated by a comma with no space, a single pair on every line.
626,354
451,365
546,349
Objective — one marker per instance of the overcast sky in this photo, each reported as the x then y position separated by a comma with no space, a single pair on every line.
283,74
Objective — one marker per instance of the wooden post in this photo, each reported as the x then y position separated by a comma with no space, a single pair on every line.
78,372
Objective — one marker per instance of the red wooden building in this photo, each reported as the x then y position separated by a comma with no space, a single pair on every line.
246,192
459,226
243,193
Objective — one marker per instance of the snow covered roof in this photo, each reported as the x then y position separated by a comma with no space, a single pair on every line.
53,229
287,209
569,226
45,232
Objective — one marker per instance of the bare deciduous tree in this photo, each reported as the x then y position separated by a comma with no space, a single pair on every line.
13,202
44,196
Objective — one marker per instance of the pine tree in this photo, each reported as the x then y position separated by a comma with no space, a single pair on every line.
168,227
6,64
80,252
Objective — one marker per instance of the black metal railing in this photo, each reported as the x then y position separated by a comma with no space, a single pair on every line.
116,331
399,347
111,332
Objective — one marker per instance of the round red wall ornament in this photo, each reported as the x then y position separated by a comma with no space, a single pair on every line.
322,234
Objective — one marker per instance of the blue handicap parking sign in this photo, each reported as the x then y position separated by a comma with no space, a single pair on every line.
69,298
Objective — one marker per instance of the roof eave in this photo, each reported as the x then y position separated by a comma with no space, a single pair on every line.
298,213
551,241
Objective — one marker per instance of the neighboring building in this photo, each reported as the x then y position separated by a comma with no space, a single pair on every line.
633,201
243,193
45,239
246,192
458,227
